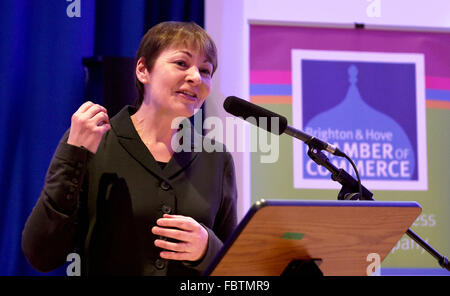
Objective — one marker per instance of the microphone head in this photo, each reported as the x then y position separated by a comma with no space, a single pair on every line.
255,114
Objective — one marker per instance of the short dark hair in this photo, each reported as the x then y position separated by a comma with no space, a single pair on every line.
166,34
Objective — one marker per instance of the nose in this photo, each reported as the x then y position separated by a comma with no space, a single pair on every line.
193,76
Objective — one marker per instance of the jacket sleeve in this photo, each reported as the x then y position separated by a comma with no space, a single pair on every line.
226,218
50,230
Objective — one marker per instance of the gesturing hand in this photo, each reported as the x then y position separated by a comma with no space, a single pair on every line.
193,238
88,125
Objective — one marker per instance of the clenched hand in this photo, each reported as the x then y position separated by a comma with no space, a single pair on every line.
89,123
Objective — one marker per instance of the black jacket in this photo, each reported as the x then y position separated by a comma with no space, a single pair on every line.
103,206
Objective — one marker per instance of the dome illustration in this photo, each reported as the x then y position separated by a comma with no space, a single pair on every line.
373,140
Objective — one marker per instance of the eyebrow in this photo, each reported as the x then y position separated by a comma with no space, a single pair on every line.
186,52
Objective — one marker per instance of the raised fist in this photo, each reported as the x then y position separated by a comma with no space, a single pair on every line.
89,123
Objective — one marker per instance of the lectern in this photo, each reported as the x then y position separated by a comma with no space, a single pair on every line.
280,237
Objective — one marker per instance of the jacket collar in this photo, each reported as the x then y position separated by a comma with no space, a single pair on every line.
128,137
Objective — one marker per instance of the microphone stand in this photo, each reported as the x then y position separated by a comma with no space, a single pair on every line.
353,190
349,190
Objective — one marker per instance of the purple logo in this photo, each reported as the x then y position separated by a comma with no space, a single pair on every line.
371,106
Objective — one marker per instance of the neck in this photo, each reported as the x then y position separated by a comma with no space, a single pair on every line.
155,130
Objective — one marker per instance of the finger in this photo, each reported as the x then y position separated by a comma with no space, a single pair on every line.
100,118
85,106
180,222
103,128
93,110
172,233
175,216
175,255
171,246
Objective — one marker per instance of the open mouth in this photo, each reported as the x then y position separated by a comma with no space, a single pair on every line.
188,95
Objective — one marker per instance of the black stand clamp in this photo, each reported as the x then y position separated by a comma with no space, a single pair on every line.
308,267
350,187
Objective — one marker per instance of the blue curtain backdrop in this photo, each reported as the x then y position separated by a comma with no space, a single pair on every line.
41,86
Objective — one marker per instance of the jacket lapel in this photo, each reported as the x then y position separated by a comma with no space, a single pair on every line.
128,137
190,147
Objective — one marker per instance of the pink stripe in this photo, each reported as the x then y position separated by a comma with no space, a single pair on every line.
437,82
284,77
270,77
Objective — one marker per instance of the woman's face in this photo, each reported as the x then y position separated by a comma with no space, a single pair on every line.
179,81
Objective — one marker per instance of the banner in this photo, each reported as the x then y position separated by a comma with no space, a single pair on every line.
381,96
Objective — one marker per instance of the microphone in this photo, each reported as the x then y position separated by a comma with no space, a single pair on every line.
254,113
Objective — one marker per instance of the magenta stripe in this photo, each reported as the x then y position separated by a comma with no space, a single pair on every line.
270,46
437,82
270,77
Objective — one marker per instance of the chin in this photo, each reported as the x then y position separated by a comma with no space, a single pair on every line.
186,109
186,112
189,110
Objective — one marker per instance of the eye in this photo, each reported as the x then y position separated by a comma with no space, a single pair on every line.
206,72
181,63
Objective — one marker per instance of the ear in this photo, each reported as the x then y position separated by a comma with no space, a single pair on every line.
141,71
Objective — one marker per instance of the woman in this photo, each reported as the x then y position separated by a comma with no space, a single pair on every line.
118,194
